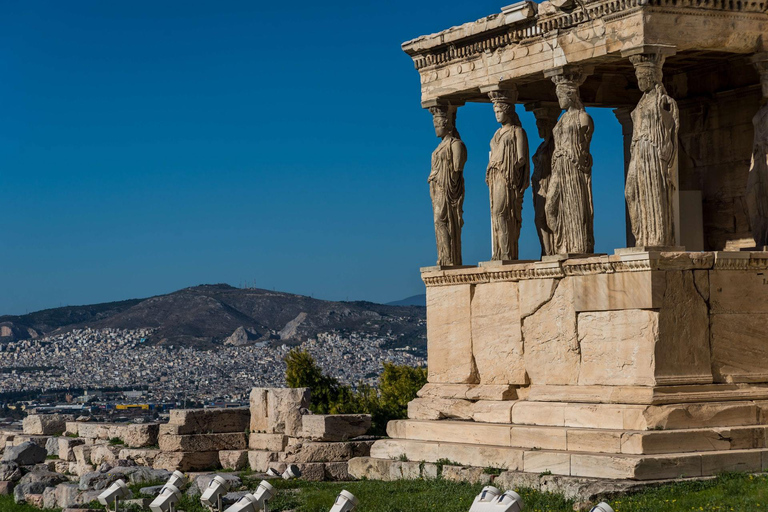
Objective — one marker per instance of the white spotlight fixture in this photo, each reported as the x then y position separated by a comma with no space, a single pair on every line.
213,494
167,499
291,471
273,472
486,496
510,501
253,502
602,507
177,479
113,494
345,502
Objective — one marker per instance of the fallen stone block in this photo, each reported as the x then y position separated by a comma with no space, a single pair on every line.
144,475
46,424
203,442
49,498
61,466
261,461
104,453
68,496
36,500
186,461
9,471
71,428
233,459
141,456
278,410
25,454
139,435
40,441
83,453
66,447
52,446
269,442
335,427
205,421
6,488
79,469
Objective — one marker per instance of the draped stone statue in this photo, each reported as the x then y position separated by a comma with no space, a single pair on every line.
568,206
546,118
651,180
507,176
757,183
446,186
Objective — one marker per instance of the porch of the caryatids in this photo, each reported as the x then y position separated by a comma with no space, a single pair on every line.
546,119
568,204
651,184
757,182
507,175
446,185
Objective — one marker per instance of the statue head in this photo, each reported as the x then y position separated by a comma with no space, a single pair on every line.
504,106
648,70
441,118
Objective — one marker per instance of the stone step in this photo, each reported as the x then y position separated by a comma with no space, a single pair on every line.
647,395
590,465
581,439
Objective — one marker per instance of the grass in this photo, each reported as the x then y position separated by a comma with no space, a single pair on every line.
729,492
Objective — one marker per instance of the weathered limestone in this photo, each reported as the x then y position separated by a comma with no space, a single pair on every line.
334,427
652,176
46,424
186,461
449,335
568,204
269,442
190,421
233,459
203,442
507,175
446,186
757,183
278,411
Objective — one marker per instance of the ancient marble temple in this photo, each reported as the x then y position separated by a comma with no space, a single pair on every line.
651,362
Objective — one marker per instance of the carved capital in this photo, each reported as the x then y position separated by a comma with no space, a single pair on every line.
506,93
545,111
570,75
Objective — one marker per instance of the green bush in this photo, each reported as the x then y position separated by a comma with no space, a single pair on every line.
397,386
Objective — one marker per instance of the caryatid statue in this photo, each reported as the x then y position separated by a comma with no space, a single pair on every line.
446,186
568,207
507,176
546,118
757,182
651,176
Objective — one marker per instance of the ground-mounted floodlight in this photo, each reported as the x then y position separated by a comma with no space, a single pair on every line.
345,502
602,507
167,499
291,471
510,501
486,496
213,494
273,472
113,494
177,479
256,501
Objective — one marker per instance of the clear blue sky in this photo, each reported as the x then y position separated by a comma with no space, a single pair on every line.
150,146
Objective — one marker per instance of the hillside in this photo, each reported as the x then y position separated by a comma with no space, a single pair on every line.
209,314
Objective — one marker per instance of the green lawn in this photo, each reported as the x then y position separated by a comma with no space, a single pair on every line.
733,492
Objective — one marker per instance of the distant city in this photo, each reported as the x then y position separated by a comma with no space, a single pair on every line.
149,375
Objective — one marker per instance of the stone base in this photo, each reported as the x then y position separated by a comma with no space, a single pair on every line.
500,263
574,488
570,256
437,268
648,248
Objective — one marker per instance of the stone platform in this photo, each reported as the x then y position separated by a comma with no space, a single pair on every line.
638,366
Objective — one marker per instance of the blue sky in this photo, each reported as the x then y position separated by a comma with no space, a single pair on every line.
150,146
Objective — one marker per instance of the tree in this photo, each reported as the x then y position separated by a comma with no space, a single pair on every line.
303,372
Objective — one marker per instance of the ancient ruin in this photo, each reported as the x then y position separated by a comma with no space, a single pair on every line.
642,365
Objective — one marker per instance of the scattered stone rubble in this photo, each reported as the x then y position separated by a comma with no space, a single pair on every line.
58,462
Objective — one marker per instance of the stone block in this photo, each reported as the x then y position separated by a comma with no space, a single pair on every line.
186,461
261,461
496,334
104,453
596,441
336,471
93,430
285,407
468,391
52,446
25,454
738,292
142,456
449,335
739,352
534,293
458,432
543,438
369,468
618,347
693,440
71,428
492,411
233,459
268,442
698,415
551,340
6,488
733,461
139,435
469,475
46,424
542,462
82,454
481,456
203,442
259,406
439,409
335,427
210,421
399,470
619,291
327,452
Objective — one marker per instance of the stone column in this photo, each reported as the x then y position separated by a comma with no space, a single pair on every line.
546,118
757,183
568,205
446,184
623,115
651,188
507,174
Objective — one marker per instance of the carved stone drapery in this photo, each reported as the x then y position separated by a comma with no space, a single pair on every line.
507,176
446,186
546,119
569,208
757,183
651,178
